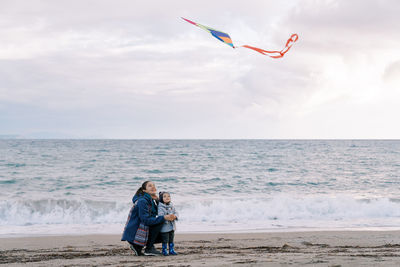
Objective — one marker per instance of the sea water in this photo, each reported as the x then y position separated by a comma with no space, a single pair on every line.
86,186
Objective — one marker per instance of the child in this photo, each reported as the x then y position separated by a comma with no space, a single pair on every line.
165,207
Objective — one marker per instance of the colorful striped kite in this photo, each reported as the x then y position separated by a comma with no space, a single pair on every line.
222,36
225,38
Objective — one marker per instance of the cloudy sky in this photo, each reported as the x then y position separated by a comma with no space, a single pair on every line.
135,69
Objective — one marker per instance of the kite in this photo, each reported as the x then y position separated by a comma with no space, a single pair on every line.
222,36
225,38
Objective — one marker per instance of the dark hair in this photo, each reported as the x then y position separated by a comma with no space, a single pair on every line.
161,195
140,191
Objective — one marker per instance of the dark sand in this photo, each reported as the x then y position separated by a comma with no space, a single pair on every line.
328,248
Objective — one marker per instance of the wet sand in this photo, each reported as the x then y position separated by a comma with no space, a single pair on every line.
327,248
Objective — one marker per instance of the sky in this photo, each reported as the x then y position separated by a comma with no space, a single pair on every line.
135,70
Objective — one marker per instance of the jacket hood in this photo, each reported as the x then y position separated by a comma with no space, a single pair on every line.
136,197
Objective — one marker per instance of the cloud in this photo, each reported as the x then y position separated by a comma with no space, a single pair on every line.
129,70
392,73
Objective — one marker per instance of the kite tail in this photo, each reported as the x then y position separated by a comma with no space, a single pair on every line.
276,54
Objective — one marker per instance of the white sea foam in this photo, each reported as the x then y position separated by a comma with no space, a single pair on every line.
60,211
282,212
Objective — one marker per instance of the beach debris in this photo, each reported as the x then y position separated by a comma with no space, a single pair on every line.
286,246
221,239
225,38
309,244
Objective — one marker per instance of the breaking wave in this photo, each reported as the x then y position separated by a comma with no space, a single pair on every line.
280,212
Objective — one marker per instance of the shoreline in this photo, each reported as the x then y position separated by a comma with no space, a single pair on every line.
217,232
319,248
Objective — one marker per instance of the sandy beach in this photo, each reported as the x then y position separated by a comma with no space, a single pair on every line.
327,248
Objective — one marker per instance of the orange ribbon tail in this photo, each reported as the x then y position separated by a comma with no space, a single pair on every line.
276,54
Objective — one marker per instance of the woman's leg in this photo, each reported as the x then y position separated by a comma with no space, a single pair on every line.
136,249
154,237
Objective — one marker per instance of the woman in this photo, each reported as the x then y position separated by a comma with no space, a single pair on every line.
143,225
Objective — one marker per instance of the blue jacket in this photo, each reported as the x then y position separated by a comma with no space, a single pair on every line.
144,211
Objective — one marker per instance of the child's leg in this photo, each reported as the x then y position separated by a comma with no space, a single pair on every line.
171,236
165,237
165,240
171,243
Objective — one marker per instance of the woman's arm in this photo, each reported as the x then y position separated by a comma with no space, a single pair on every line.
145,216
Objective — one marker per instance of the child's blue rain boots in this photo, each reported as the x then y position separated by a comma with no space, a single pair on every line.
164,249
171,249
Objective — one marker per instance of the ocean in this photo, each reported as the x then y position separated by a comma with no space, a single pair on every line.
53,187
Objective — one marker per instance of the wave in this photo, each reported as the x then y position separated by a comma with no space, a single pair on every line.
278,212
61,211
281,209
